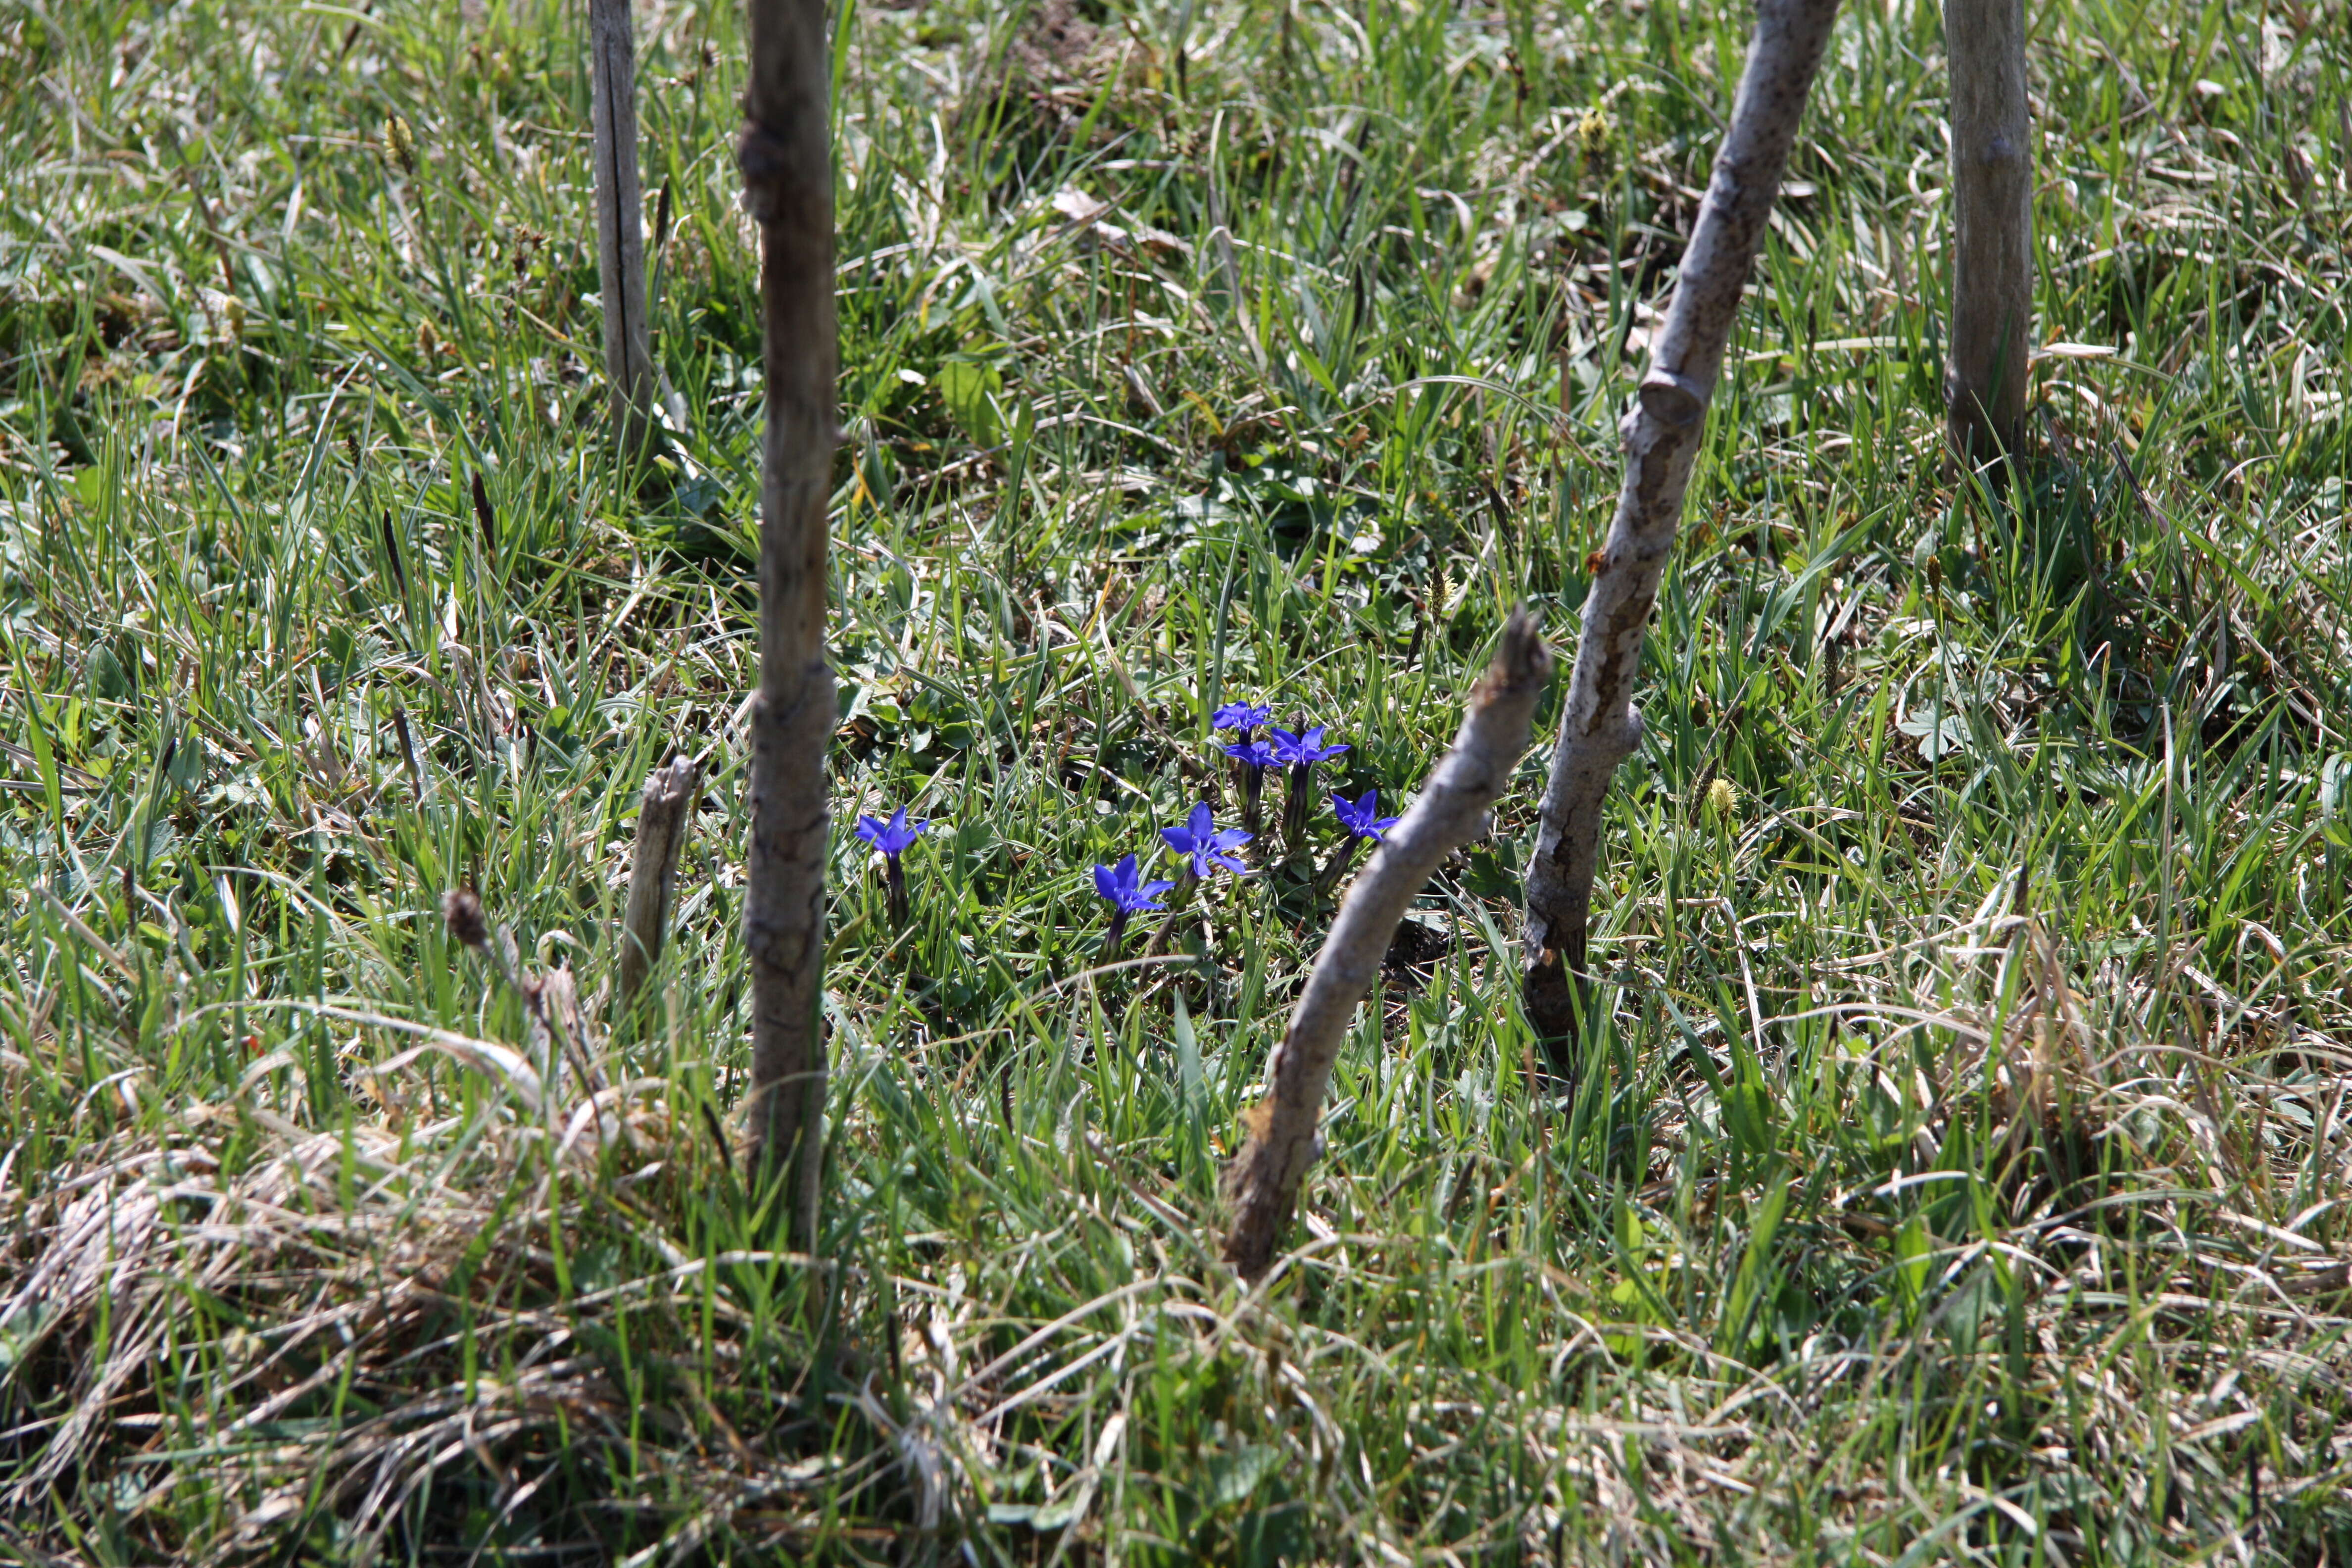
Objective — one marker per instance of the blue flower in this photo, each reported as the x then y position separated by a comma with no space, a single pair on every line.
1363,819
1118,883
1200,840
1300,751
891,837
1251,754
1240,716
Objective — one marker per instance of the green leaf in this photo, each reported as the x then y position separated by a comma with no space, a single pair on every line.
1233,1476
1188,1056
43,757
104,673
970,389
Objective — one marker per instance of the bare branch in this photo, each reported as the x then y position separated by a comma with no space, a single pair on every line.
1599,727
1265,1178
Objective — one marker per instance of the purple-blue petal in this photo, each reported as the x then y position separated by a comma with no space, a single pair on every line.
1238,716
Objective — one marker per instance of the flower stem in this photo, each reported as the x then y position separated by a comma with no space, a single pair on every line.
1294,806
897,876
1185,882
1337,866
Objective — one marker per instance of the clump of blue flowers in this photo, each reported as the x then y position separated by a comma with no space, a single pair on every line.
893,838
1299,753
1129,895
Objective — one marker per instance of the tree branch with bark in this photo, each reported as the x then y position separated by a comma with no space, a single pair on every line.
1662,435
1264,1180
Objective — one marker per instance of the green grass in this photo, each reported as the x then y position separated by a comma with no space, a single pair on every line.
1957,1169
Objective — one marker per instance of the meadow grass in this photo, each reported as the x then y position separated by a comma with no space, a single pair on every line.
1954,1167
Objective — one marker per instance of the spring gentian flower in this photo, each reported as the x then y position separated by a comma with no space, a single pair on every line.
1299,753
1362,818
1127,896
892,838
1364,824
1250,761
1200,841
1251,754
1301,750
1241,718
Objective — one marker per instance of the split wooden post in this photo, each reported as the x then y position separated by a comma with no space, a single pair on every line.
1662,433
1992,230
787,168
1264,1178
664,812
620,225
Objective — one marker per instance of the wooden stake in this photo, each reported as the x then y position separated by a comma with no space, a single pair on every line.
620,225
787,168
664,812
1599,727
1992,230
1264,1178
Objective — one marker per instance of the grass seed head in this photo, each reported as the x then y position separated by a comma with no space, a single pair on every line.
461,908
399,144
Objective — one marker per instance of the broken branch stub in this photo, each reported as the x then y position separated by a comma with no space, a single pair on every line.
620,225
1264,1178
1992,230
1662,433
787,169
663,812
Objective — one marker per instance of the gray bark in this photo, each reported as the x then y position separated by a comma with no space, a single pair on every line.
1599,727
620,225
1264,1178
788,189
1992,228
663,810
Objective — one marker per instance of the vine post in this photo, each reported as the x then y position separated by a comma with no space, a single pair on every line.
786,163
